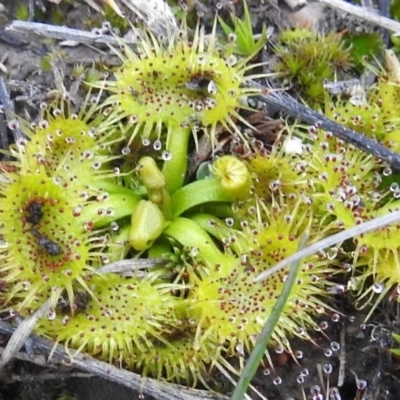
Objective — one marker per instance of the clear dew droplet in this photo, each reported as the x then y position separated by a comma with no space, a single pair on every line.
212,87
13,124
166,155
298,354
337,289
88,154
106,25
125,151
277,380
378,287
157,145
335,346
324,325
387,171
229,222
232,37
327,368
304,372
328,352
146,141
239,350
361,384
114,226
346,267
301,331
51,315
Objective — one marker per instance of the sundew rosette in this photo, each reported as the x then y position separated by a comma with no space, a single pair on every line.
181,83
178,87
46,248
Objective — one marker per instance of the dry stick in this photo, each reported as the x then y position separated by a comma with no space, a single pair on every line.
3,134
42,377
158,389
21,334
37,359
130,265
364,13
290,106
342,358
8,109
62,33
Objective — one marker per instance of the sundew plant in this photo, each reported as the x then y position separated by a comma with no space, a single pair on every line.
109,180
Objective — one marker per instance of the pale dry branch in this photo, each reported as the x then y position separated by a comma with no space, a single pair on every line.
364,13
158,389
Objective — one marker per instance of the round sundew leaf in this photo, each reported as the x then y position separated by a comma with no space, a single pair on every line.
71,147
45,244
228,304
179,84
122,321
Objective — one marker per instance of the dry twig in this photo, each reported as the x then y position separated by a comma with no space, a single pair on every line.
365,14
158,389
30,29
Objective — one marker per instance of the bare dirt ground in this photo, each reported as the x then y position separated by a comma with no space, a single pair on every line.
362,367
